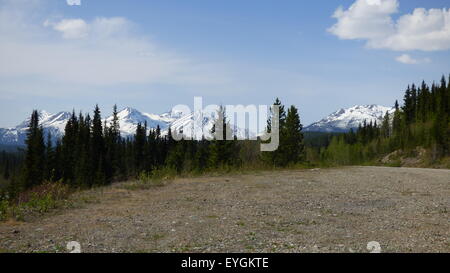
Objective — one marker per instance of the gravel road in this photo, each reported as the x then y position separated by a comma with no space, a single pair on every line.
329,210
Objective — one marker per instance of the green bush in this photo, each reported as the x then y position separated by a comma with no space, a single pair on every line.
42,204
4,208
39,199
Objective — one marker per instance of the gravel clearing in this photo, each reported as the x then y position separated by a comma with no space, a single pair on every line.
329,210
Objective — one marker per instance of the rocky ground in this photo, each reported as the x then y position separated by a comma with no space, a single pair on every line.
330,210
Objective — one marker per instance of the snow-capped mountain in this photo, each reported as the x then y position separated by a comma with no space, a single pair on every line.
345,119
204,124
340,121
129,118
53,124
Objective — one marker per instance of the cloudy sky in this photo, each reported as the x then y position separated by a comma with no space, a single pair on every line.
318,55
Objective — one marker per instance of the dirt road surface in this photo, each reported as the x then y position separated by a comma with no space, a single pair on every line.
329,210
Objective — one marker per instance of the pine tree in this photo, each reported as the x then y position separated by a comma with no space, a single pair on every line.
176,156
202,155
7,171
83,172
423,121
49,159
274,158
293,138
69,149
413,112
282,115
396,124
58,162
97,147
139,147
385,127
222,151
114,134
35,153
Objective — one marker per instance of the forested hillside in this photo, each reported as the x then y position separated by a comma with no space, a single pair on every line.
422,122
93,153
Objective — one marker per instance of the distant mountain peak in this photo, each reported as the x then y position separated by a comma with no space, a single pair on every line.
129,118
345,119
340,121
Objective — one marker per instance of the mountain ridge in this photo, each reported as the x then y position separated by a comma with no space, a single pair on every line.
340,121
345,119
129,118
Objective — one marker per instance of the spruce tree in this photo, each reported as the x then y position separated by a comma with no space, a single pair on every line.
114,135
35,153
274,158
49,159
293,138
386,127
97,147
7,171
222,152
139,147
69,149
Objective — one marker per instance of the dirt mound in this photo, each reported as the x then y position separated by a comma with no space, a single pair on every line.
399,158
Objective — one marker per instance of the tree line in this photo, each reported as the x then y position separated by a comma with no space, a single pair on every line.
92,152
422,121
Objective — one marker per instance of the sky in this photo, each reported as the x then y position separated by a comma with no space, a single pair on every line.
59,55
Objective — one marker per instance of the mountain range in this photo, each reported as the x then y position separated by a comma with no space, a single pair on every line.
129,118
343,120
340,121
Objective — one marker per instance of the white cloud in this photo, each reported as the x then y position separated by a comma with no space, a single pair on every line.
365,19
371,20
101,27
407,59
74,2
100,52
71,28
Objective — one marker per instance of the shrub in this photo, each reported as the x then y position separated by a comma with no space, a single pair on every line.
54,191
4,207
39,199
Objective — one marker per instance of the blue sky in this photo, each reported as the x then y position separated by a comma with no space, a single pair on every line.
153,55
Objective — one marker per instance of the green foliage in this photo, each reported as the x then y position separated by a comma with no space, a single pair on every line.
423,121
34,159
39,199
4,207
291,148
42,204
157,178
92,153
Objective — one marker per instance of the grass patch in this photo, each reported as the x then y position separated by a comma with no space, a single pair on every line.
395,164
48,197
158,178
38,200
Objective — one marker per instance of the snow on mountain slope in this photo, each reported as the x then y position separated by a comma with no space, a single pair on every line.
53,124
129,118
185,124
346,119
340,121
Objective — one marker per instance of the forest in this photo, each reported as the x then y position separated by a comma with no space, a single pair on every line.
93,153
423,121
